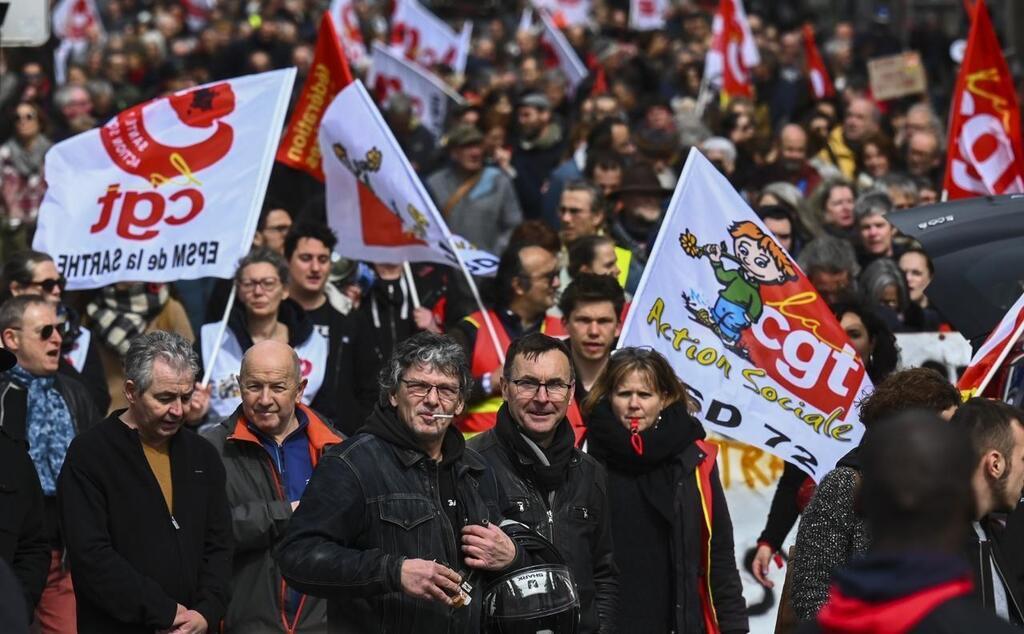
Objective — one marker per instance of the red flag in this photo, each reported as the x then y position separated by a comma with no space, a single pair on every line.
821,83
733,51
993,352
984,150
328,74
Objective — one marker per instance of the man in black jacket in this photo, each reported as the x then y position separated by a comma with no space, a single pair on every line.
270,446
43,409
397,517
552,487
915,493
997,438
143,508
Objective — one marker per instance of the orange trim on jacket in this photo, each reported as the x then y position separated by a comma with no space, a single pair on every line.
704,488
483,415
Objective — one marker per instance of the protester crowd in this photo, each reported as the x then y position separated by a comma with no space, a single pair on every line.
365,457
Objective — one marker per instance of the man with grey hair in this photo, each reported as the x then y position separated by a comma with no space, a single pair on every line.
830,265
875,231
143,507
270,446
722,154
397,524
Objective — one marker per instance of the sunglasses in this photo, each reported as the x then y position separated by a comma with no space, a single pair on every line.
45,332
49,285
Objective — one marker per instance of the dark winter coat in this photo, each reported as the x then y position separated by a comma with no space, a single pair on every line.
23,543
259,517
134,561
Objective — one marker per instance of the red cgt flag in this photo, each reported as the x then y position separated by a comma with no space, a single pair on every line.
821,83
984,151
733,51
328,74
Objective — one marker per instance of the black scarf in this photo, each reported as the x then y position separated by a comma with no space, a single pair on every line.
614,445
547,477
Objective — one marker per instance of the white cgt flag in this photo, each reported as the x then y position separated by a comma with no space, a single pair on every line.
647,15
552,39
167,190
568,12
346,23
375,201
430,96
743,327
423,37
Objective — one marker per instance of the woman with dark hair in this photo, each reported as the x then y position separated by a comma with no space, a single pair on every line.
21,172
34,273
918,271
671,527
876,346
876,158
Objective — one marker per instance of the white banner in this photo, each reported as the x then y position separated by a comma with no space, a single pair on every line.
421,36
745,329
647,15
375,201
568,61
568,12
346,22
167,190
430,96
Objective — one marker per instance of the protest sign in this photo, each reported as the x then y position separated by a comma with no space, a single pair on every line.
743,327
896,76
167,190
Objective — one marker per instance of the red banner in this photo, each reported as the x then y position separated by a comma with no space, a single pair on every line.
733,51
328,74
984,150
821,83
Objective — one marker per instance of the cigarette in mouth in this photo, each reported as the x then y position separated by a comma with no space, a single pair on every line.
436,416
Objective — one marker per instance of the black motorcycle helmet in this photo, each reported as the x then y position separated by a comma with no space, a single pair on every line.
536,599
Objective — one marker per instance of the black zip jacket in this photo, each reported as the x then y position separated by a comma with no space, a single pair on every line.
577,522
23,543
133,561
259,517
977,554
370,505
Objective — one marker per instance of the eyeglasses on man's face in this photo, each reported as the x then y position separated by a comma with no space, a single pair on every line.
557,390
420,389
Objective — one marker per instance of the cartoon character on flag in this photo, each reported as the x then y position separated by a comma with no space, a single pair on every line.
760,261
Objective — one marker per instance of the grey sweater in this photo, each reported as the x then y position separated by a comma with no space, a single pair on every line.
486,215
830,534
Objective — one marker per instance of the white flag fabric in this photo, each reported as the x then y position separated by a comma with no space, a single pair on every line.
554,40
75,22
647,15
346,22
733,49
989,358
375,201
421,36
430,96
744,328
167,190
568,12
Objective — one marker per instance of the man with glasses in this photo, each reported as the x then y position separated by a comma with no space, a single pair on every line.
552,486
526,287
396,524
44,410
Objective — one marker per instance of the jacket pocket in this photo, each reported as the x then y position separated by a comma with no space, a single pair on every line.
405,513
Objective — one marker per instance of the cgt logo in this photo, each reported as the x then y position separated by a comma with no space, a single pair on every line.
136,151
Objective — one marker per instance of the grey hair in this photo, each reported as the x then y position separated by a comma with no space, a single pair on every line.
935,125
829,254
437,352
62,96
721,144
879,274
899,182
261,255
171,348
872,203
13,310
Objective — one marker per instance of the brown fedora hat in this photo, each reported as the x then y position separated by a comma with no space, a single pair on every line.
640,178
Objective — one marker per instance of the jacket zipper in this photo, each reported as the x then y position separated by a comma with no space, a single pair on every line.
453,542
290,629
1006,586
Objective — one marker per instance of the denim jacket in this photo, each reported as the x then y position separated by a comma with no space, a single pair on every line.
369,506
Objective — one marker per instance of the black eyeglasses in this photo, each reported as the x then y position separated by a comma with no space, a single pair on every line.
50,284
419,389
45,332
528,388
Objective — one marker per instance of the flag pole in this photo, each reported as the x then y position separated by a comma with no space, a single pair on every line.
479,302
411,282
208,367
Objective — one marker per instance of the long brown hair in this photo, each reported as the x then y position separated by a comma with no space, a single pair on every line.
650,364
